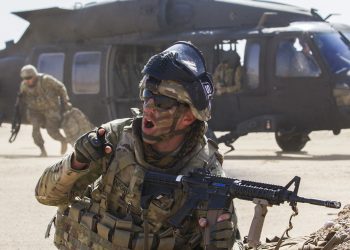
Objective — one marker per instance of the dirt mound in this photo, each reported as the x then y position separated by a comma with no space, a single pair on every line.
335,234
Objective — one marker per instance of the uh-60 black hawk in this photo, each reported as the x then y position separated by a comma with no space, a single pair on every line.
276,68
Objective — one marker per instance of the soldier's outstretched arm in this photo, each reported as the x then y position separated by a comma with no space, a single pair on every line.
69,178
56,183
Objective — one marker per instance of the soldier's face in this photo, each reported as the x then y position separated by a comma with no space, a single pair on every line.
30,81
161,115
156,121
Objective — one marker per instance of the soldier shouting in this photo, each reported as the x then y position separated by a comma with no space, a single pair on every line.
176,91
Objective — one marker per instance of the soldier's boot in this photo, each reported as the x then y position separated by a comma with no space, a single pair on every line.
64,146
43,152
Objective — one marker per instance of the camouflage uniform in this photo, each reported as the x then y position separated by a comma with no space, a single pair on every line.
116,198
111,216
74,124
227,79
342,95
43,106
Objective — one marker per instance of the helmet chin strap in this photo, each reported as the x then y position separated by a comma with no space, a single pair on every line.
172,132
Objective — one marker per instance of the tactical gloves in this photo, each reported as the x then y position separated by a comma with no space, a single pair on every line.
91,146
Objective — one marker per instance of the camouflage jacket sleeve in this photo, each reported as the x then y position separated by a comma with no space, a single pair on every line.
57,86
21,88
60,183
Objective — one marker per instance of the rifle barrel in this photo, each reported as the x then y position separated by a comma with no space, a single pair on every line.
328,203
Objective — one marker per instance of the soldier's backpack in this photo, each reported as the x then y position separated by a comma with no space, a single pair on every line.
74,124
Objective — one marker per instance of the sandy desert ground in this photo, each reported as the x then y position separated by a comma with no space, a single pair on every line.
323,166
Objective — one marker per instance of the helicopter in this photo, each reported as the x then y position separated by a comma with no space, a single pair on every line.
99,50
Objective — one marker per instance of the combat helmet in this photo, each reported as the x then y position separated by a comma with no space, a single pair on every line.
28,71
180,72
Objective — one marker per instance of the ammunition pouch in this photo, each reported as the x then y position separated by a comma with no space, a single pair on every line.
79,226
76,228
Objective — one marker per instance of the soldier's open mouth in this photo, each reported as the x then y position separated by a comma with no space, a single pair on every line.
149,124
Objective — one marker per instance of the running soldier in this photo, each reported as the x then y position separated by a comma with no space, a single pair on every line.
43,97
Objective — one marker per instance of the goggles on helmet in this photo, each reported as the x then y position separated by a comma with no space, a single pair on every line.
185,64
160,101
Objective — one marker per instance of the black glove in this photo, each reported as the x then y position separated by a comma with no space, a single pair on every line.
91,146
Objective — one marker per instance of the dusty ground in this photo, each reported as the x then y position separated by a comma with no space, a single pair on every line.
324,167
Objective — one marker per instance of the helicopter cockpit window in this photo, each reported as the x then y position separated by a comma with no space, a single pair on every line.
347,35
335,49
227,70
251,65
52,64
294,58
86,72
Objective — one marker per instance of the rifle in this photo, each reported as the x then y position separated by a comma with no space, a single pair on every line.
16,121
218,193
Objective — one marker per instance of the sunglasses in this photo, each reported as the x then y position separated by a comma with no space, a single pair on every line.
28,78
160,101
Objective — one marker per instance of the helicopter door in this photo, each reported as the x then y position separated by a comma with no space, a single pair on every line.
299,88
226,67
252,101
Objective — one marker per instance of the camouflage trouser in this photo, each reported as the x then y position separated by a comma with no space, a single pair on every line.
48,119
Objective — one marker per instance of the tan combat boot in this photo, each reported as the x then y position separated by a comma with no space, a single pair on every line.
64,146
43,152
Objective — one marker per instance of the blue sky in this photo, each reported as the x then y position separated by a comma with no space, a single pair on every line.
12,27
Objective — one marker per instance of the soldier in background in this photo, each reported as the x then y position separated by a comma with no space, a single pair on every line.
341,93
227,76
43,96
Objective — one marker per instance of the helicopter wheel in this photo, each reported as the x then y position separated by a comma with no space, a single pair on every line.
291,141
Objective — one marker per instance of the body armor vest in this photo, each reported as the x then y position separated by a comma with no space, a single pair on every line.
39,98
111,218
